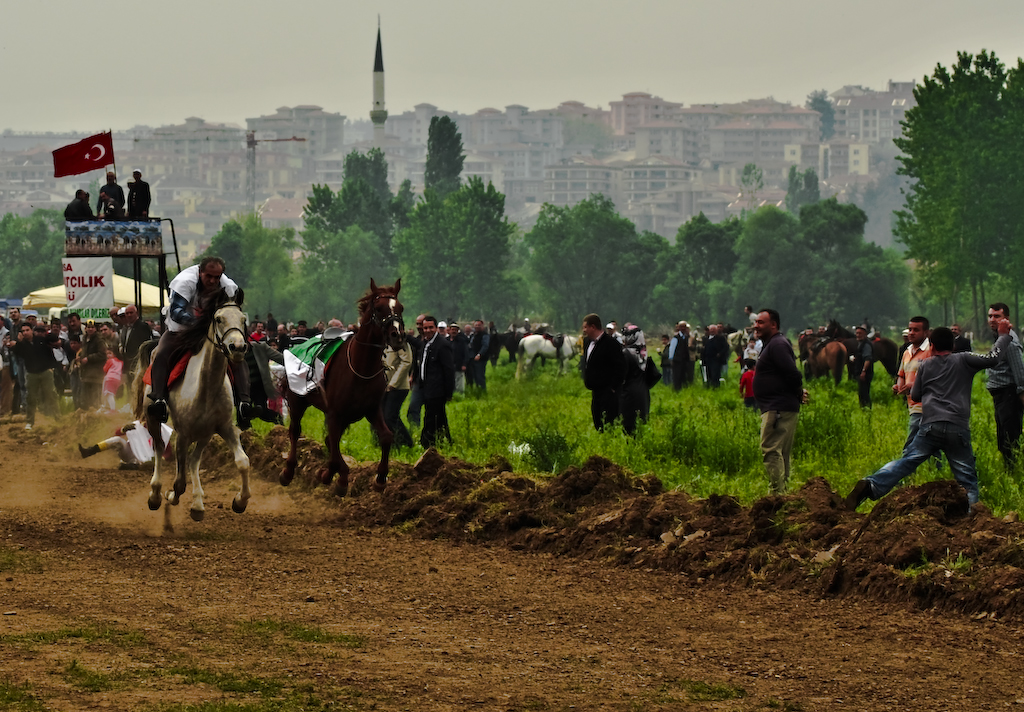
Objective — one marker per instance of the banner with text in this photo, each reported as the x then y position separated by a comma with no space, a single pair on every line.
89,284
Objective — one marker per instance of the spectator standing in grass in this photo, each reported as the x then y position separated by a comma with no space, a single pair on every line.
1006,385
604,371
778,389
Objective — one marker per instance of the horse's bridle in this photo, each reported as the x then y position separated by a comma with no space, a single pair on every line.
392,317
218,341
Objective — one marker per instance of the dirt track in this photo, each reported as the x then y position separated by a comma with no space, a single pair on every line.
466,588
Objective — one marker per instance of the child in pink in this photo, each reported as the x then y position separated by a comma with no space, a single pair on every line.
111,380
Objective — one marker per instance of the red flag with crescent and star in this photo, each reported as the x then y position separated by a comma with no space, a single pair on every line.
89,154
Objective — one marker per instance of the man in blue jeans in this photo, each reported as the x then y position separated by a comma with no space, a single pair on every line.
943,386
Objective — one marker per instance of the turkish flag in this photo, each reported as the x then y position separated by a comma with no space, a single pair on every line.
87,155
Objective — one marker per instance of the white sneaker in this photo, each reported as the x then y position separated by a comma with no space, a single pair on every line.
28,426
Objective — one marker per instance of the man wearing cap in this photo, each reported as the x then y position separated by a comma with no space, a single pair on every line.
460,354
138,197
111,192
36,352
91,359
863,365
187,290
679,354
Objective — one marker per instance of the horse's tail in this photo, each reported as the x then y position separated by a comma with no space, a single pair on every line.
138,397
521,351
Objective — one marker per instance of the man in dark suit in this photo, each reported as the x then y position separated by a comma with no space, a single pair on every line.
960,342
134,333
435,372
604,371
139,197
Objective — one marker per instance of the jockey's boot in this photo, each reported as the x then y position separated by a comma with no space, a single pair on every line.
157,409
246,412
88,451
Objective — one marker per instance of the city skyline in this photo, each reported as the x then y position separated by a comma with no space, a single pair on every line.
245,60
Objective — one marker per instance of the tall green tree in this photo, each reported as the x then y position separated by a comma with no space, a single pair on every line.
32,249
258,259
958,221
701,262
588,258
444,157
751,181
371,167
455,253
803,189
819,101
334,271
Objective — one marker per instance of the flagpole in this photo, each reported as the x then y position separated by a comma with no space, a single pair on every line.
111,132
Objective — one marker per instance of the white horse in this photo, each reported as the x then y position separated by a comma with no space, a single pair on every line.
561,347
200,405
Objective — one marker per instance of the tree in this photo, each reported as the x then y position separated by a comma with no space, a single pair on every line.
819,101
588,258
455,253
335,270
258,259
371,167
803,189
959,217
751,181
702,260
32,249
444,157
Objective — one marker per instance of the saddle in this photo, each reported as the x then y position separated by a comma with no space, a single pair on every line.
178,368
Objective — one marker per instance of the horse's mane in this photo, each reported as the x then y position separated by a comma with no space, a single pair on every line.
192,338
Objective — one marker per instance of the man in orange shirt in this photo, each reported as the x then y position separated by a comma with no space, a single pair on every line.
914,355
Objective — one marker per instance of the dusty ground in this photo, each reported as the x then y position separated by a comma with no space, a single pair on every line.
464,587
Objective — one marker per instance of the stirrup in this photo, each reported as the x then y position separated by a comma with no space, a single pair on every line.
157,409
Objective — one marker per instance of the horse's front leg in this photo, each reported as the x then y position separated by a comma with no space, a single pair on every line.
296,408
198,510
155,482
230,435
386,438
335,462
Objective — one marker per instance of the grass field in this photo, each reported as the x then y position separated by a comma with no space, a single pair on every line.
698,440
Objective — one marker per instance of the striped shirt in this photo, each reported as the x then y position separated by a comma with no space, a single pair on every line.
912,359
1009,372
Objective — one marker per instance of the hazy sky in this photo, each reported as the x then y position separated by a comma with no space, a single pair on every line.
73,65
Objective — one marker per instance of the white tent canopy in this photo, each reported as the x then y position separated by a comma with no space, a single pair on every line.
124,294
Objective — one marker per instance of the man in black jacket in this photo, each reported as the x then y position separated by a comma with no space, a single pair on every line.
435,373
604,371
134,333
139,197
113,192
78,209
778,389
35,349
716,351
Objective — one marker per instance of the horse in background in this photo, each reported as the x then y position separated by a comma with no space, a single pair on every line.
828,359
353,387
884,349
559,347
201,402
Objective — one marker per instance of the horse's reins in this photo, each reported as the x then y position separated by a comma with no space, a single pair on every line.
219,341
393,316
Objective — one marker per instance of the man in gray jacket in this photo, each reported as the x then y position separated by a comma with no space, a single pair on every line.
943,386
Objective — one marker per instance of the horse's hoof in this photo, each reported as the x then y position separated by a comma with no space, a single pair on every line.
153,502
340,488
286,478
325,476
172,497
379,483
238,506
197,514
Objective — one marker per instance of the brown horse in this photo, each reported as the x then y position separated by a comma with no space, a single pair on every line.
353,387
884,349
829,359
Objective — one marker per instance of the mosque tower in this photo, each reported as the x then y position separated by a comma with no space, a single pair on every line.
379,114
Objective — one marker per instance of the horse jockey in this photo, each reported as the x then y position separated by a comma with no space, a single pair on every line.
187,289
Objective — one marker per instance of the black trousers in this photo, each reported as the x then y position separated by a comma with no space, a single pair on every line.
392,408
435,422
864,387
604,407
1009,414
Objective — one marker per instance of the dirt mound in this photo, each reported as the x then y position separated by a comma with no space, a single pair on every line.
921,545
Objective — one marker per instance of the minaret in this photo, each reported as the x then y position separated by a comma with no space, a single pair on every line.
379,114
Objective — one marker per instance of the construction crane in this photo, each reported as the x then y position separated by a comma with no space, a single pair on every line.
250,155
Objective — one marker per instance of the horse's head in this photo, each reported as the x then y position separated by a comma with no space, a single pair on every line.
381,308
229,329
